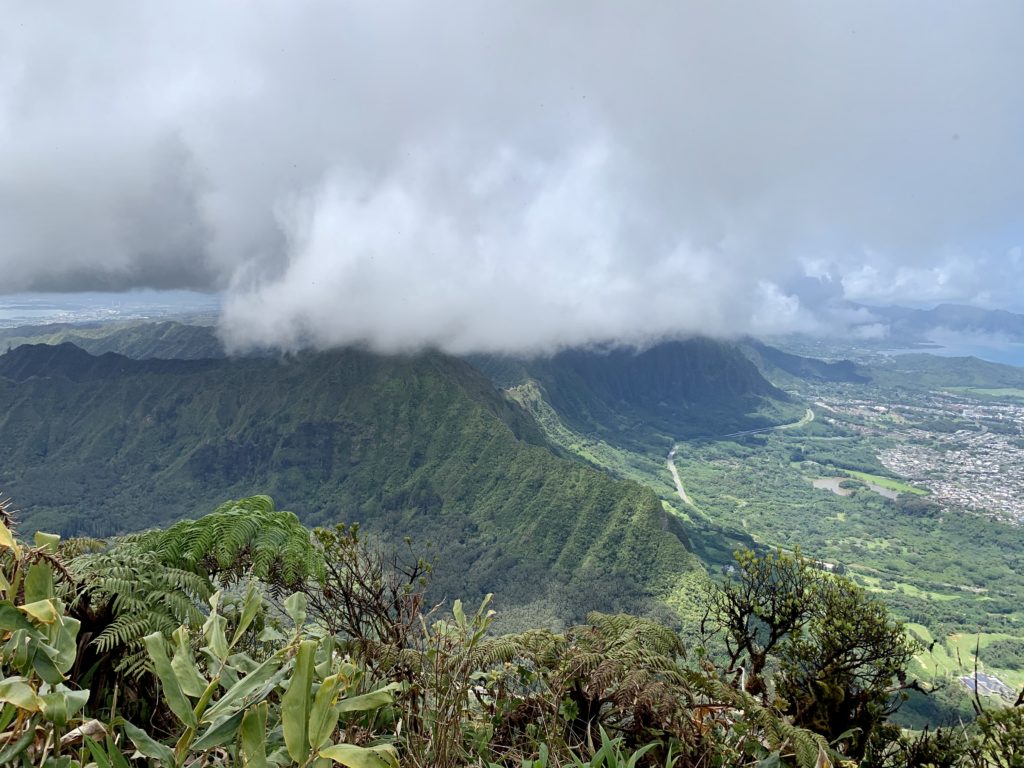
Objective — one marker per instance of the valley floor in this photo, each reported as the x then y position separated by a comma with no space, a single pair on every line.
936,540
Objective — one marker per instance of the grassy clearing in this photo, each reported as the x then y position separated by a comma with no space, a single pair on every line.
997,392
912,591
887,482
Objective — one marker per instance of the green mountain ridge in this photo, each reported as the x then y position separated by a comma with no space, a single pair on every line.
168,339
418,445
695,387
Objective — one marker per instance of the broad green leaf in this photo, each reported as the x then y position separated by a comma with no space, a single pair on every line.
270,635
295,606
149,746
9,753
369,701
99,755
213,631
16,691
11,619
48,542
115,754
54,707
236,695
7,714
24,643
204,699
156,646
38,582
250,608
64,636
43,611
324,715
460,615
76,701
362,757
219,733
7,540
295,704
254,736
184,666
42,663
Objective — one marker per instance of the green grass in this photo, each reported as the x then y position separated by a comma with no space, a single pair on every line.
994,392
887,482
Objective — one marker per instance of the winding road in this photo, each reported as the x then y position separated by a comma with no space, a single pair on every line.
806,419
670,462
675,476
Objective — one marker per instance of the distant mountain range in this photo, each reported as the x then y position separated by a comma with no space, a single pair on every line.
672,390
904,325
420,445
919,323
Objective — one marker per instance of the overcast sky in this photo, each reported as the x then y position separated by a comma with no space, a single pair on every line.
516,175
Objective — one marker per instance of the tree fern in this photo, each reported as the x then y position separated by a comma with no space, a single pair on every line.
158,580
248,537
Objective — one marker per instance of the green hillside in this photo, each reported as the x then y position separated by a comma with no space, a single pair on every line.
140,339
690,388
420,446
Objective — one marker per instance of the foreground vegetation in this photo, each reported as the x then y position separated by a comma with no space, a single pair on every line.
243,639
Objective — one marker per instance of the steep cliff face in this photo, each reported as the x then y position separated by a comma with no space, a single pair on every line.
674,389
418,445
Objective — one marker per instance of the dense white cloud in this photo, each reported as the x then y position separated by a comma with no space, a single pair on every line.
481,174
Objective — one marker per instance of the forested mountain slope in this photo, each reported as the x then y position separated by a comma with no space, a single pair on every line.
420,445
140,339
692,387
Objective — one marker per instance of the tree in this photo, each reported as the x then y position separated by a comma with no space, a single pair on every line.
840,659
768,600
844,673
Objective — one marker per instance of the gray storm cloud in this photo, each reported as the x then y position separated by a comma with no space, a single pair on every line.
490,175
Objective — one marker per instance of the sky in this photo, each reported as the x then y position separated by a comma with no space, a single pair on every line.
482,175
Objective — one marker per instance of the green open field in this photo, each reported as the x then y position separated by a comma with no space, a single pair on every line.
887,482
998,392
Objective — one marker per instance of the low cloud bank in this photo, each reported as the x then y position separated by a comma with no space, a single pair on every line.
515,176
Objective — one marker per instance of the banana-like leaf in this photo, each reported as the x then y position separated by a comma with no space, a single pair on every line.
54,707
323,716
459,614
295,606
149,746
43,611
254,736
16,691
63,638
251,607
99,756
219,733
236,695
9,753
11,619
42,664
362,757
156,647
369,701
38,582
7,540
184,666
48,542
295,704
213,630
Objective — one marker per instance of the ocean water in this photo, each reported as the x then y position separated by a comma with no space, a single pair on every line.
1005,352
1012,354
37,308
